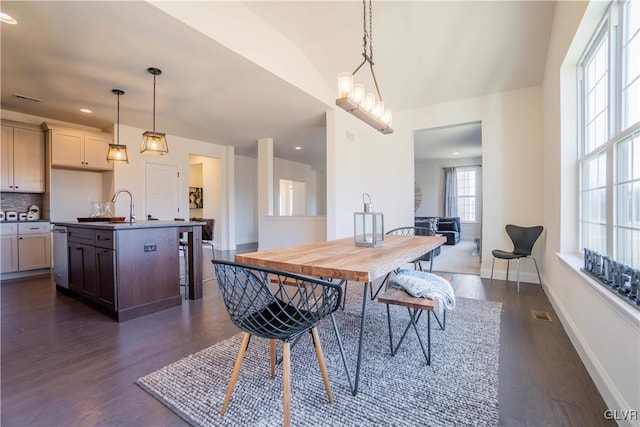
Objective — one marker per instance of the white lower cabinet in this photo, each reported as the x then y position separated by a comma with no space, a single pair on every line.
9,251
25,246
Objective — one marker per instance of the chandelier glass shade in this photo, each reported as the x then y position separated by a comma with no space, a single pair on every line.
117,153
154,142
353,98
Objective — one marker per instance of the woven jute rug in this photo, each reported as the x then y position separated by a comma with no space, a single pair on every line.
460,387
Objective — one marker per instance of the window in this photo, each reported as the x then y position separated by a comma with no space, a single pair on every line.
466,194
627,194
609,79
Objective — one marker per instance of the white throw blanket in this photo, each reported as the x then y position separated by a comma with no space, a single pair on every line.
425,285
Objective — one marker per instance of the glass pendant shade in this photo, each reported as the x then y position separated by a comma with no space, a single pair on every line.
154,143
117,154
387,117
369,102
345,85
358,93
378,111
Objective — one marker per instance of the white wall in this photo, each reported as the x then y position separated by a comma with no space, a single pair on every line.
603,329
246,208
512,162
362,160
72,191
195,180
132,177
294,171
286,231
210,172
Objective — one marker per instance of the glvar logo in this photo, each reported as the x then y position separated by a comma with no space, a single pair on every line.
618,414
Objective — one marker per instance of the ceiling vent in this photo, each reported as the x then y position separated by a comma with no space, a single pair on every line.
28,98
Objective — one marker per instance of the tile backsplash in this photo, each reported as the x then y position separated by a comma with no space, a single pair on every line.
19,202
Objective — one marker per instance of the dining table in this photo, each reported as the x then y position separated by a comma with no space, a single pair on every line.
342,260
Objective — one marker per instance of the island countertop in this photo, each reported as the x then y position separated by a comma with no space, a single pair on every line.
126,225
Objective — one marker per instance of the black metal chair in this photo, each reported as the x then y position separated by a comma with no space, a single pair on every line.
417,263
418,231
523,239
278,306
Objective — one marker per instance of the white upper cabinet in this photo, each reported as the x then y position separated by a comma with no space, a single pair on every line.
77,149
23,159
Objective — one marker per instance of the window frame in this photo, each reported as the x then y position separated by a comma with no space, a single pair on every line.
612,31
476,190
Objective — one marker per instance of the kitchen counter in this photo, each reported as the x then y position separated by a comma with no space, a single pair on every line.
132,269
126,225
23,221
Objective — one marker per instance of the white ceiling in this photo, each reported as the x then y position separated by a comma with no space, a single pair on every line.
449,142
71,54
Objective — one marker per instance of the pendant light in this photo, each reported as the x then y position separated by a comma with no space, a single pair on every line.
117,153
352,97
154,142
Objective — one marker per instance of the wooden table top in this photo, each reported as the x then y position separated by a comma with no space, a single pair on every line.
342,259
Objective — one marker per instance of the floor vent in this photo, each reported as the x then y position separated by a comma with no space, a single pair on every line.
540,315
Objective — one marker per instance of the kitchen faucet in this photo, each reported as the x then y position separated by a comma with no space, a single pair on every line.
132,217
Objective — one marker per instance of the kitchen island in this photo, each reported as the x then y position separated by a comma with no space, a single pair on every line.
132,269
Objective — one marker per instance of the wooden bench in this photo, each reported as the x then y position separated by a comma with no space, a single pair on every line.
415,307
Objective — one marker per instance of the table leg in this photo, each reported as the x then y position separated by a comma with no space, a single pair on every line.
354,390
194,237
433,255
354,385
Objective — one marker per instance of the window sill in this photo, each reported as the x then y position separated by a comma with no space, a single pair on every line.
626,310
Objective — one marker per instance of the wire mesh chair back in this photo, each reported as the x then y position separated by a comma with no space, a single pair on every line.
274,304
523,238
411,231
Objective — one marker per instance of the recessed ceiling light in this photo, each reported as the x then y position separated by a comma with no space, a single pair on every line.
298,147
7,19
86,110
455,153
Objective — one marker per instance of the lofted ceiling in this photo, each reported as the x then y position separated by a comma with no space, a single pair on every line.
459,141
71,54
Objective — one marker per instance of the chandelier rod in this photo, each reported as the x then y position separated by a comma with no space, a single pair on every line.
368,58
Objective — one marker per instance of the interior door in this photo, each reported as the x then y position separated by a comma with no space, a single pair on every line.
161,191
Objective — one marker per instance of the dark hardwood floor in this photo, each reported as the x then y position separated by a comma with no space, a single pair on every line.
65,364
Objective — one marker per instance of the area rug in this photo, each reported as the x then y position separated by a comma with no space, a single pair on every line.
460,258
460,387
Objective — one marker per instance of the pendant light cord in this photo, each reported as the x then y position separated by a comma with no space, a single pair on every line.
154,103
118,118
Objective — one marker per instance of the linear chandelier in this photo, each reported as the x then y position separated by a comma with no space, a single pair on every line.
352,97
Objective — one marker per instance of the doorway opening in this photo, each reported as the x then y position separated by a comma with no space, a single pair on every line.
448,175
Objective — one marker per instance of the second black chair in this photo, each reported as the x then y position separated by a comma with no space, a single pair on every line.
523,239
278,306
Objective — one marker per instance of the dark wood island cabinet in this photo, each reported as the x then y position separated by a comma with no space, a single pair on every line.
131,269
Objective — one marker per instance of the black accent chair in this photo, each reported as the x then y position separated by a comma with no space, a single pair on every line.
523,239
278,306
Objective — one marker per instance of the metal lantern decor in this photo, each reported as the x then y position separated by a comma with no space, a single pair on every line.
368,226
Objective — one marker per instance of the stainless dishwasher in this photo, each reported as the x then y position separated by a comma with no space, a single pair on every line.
60,256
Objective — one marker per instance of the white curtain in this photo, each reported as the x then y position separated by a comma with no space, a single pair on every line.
450,192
